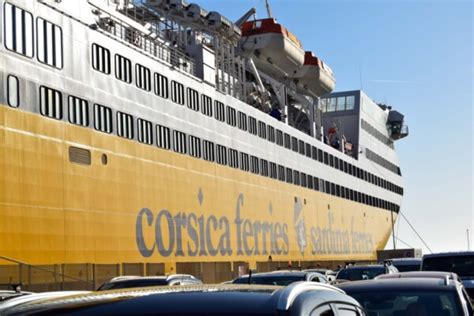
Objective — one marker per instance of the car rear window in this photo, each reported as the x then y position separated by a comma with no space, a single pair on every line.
273,280
131,284
461,265
402,302
360,274
407,267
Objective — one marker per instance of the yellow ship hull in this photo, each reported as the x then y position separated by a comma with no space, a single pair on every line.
148,205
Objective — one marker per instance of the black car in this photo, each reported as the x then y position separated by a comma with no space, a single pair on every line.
410,296
301,298
461,263
367,272
280,277
124,282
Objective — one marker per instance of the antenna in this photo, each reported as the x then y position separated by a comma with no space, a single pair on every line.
269,9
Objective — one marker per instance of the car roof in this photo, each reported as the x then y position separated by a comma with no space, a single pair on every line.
154,277
421,274
368,266
212,299
449,254
279,273
405,260
414,284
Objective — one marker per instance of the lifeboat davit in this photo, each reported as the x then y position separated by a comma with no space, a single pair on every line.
315,76
273,48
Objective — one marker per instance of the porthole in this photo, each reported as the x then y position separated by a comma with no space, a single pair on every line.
104,159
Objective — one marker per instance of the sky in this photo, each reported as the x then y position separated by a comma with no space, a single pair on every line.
417,56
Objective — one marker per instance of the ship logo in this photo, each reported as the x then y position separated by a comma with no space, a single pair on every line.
300,228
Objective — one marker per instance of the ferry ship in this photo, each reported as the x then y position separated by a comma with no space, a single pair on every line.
150,137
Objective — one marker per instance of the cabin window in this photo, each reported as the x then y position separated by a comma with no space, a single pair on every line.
264,167
49,43
179,142
231,116
206,105
13,91
314,153
294,144
308,150
341,104
331,105
287,141
271,134
124,125
244,162
279,137
296,177
103,118
303,179
221,155
242,121
328,187
254,165
78,112
143,77
219,111
177,92
281,173
209,153
123,68
262,130
18,28
350,102
163,138
273,170
145,131
316,184
193,99
194,146
289,175
233,158
51,103
301,147
161,86
331,160
252,125
101,59
310,182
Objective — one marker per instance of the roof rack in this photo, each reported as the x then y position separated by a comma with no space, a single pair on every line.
293,290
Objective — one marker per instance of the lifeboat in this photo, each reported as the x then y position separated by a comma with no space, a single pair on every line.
315,76
273,48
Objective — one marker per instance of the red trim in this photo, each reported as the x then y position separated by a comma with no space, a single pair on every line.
310,59
266,26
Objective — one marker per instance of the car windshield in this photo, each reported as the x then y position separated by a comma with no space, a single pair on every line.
355,274
461,265
270,280
408,303
125,284
407,267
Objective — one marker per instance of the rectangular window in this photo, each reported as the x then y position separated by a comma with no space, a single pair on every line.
179,142
161,86
13,91
124,125
103,118
244,162
264,167
273,170
177,92
281,173
314,153
233,158
193,99
49,43
195,146
254,165
316,183
143,77
320,155
18,28
294,144
301,147
163,138
252,125
231,116
242,121
279,137
289,175
101,59
310,182
287,141
326,158
308,150
303,179
145,131
51,103
262,130
271,134
206,105
221,155
296,177
219,111
78,111
123,68
208,148
331,160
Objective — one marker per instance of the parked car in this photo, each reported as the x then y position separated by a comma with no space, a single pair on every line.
300,298
365,272
406,264
461,263
410,296
280,277
124,282
18,300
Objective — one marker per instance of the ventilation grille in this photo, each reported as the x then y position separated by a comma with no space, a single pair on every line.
80,156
